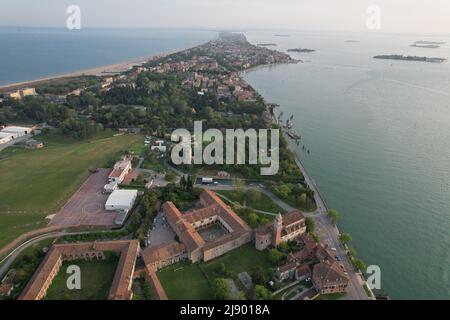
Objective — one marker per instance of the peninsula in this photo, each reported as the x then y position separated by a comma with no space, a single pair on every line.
146,216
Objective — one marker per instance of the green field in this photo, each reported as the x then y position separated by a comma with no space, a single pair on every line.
237,261
192,281
36,183
331,296
96,280
185,281
264,203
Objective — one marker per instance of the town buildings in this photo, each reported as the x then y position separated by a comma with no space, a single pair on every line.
21,93
329,278
314,262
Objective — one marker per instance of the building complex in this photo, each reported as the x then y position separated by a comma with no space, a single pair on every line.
128,250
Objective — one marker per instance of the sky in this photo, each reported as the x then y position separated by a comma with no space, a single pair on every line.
401,16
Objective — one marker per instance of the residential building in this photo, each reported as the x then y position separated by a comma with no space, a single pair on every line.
329,278
21,93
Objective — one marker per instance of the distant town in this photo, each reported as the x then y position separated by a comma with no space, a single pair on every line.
88,170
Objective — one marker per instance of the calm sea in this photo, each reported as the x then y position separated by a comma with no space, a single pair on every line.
32,53
379,135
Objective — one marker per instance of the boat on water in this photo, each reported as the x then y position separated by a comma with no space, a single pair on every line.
294,135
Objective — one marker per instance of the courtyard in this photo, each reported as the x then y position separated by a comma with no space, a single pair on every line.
160,232
212,232
193,281
96,280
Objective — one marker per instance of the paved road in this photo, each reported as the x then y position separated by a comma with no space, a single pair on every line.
7,261
331,234
273,197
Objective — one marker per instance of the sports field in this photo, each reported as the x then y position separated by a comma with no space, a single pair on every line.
37,183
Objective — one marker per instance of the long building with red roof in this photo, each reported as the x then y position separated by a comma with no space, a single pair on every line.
128,250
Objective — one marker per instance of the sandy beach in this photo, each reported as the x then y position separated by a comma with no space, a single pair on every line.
97,71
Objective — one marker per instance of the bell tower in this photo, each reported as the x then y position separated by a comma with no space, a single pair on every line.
277,228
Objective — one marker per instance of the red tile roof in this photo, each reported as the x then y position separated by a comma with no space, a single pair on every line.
120,288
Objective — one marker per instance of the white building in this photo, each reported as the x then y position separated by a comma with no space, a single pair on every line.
159,145
17,131
5,137
121,201
8,134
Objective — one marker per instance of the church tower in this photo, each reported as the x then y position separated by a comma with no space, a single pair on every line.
277,228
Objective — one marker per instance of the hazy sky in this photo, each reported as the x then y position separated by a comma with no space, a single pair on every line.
407,16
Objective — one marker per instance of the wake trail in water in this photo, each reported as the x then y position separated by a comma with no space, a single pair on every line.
418,87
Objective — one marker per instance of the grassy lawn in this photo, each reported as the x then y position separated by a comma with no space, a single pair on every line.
192,281
96,280
152,162
185,281
37,183
237,261
331,296
264,203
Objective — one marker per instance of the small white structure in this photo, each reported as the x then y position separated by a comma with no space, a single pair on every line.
207,180
121,201
110,187
159,145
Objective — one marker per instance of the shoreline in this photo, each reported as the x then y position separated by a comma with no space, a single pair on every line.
104,70
333,232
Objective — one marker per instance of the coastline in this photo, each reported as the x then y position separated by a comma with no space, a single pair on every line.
104,70
332,232
356,279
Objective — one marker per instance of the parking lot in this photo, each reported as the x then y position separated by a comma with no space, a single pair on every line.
87,206
160,232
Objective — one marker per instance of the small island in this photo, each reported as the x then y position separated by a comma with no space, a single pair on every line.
301,50
410,58
430,42
282,35
425,46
